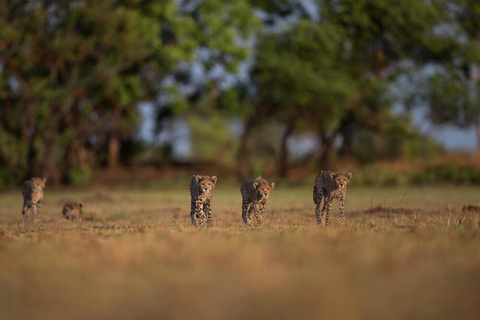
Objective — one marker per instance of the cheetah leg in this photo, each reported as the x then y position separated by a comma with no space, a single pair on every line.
317,211
208,212
25,212
252,212
327,208
35,210
259,214
39,206
201,213
245,213
193,208
341,208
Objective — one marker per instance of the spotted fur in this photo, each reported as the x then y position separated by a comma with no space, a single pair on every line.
73,210
254,198
32,191
330,185
201,188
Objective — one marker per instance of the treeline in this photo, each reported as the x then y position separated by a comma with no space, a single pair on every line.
254,81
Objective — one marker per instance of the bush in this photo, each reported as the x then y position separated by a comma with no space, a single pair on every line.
373,176
448,173
80,176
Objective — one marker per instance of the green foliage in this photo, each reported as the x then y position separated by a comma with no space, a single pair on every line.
370,147
162,155
74,73
448,173
77,72
451,92
300,69
211,138
385,30
372,175
451,99
220,26
79,176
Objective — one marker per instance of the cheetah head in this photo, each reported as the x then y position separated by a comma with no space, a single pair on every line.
206,183
38,184
341,179
71,209
263,189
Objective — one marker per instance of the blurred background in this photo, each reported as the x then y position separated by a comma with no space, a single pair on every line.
100,91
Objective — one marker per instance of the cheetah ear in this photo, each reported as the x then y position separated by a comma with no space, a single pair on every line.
214,179
197,177
255,185
332,175
272,185
349,175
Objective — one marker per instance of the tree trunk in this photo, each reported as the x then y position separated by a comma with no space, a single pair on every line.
76,156
346,130
326,149
243,166
283,155
32,168
113,151
51,168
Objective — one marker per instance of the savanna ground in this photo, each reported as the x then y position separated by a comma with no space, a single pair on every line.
136,256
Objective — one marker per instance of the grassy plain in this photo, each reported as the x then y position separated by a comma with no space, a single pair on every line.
137,257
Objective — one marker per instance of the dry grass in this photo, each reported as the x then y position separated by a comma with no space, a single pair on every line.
404,253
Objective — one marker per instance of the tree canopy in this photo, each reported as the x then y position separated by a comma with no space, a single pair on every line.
73,73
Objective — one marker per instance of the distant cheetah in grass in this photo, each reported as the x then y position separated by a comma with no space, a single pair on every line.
201,188
32,191
330,185
255,193
73,210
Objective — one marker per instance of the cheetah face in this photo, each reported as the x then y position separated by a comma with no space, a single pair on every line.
206,183
341,179
38,184
70,210
69,215
264,189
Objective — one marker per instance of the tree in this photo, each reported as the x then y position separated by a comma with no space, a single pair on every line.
381,37
222,33
452,87
337,68
300,74
71,75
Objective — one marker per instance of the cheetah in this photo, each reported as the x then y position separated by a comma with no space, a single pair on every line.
201,188
255,193
32,191
73,210
330,185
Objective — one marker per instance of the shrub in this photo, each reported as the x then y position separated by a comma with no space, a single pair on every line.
447,173
80,176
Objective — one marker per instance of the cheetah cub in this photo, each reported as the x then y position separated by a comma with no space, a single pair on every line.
73,210
330,185
255,194
32,191
201,188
